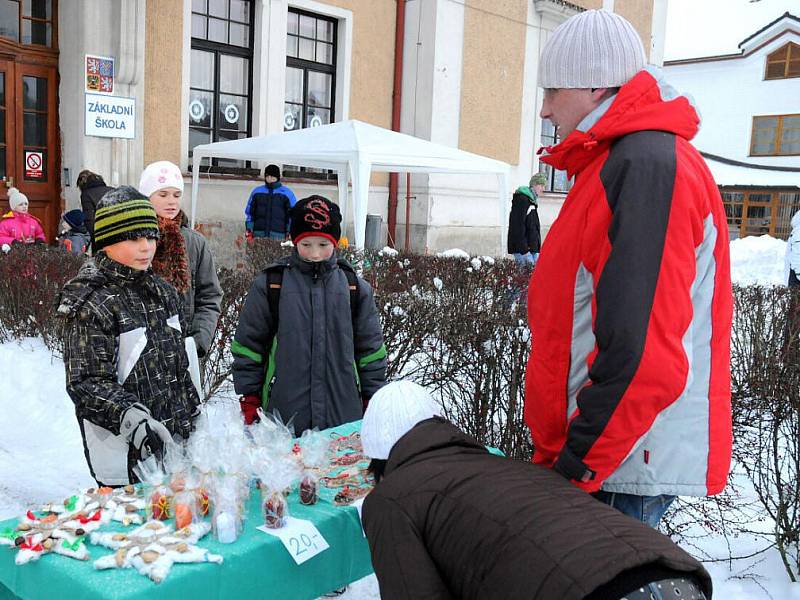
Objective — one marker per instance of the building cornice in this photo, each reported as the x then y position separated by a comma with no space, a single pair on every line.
559,10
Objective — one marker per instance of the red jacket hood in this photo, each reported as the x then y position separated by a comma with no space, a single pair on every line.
645,103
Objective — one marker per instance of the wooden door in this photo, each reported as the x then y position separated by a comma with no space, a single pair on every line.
7,134
34,164
39,165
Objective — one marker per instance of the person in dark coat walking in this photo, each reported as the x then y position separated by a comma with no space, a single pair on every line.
267,211
524,230
324,358
92,188
126,368
447,519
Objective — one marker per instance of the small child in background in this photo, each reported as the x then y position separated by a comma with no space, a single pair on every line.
74,236
123,345
309,343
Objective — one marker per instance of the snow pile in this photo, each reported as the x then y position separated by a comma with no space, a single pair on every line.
454,253
758,260
41,452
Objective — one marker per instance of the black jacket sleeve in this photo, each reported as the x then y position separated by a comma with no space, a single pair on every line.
250,346
533,228
88,206
517,239
399,556
370,352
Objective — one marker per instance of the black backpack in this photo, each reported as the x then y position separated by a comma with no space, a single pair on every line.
275,282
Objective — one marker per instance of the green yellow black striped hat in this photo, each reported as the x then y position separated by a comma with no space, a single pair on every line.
123,214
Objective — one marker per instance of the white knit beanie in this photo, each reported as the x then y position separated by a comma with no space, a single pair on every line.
392,412
159,175
15,198
593,49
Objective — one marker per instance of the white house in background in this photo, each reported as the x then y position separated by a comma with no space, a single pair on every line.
750,132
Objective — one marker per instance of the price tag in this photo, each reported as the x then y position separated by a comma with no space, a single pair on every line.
300,537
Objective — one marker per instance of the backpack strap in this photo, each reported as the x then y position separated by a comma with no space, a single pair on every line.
274,284
352,284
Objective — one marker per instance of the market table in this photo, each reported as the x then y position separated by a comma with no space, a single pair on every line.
257,565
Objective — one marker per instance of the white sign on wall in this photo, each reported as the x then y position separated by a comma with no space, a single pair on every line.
110,116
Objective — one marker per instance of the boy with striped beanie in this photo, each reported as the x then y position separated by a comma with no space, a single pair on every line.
124,345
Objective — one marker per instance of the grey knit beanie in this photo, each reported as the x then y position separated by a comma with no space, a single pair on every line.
593,49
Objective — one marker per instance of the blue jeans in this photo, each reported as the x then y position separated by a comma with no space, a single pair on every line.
272,235
647,509
526,259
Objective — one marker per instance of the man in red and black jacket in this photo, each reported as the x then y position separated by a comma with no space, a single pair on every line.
630,306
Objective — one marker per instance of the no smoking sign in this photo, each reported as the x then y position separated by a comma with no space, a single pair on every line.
34,164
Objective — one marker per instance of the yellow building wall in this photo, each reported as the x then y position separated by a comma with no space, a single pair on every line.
491,83
162,73
372,64
640,14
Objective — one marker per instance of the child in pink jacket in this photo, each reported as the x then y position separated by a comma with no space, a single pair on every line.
18,225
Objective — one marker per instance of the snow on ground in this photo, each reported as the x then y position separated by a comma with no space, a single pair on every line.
41,455
758,260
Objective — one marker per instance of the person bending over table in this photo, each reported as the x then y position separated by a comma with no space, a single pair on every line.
447,519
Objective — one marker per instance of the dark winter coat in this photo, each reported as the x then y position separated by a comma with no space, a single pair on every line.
319,371
524,233
203,298
91,194
450,520
123,345
268,208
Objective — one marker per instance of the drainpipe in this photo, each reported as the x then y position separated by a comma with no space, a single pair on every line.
399,35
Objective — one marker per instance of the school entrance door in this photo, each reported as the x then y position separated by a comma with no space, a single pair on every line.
29,144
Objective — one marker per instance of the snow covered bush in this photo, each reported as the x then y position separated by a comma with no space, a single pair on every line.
30,278
765,371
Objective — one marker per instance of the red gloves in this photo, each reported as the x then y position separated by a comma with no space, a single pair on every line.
248,235
250,406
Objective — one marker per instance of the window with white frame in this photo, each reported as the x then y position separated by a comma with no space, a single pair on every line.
220,89
310,70
557,181
310,76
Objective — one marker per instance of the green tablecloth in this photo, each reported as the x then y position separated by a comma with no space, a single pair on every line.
256,566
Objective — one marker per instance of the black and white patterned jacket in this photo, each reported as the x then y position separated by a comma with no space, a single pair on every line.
123,345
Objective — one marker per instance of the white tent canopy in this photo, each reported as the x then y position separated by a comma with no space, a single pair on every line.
354,149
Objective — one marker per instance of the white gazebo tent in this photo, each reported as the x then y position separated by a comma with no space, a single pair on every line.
355,149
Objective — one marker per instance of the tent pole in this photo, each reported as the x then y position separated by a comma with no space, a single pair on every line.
407,247
196,160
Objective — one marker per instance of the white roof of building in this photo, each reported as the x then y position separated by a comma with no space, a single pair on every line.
735,175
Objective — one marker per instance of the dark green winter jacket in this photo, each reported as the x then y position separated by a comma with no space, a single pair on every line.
319,372
123,345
